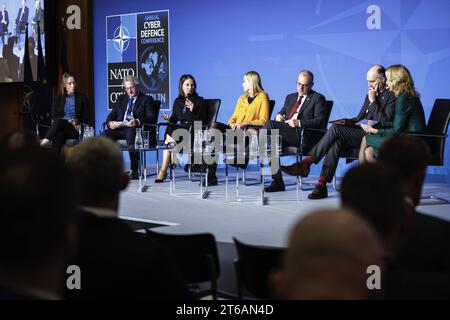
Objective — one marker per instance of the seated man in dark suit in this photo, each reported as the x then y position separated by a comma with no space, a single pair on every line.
131,111
115,261
379,105
21,20
36,229
302,109
4,22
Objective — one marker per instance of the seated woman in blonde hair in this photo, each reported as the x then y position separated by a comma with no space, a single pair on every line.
252,109
409,115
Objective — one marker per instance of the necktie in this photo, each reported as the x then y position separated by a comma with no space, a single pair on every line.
129,115
295,107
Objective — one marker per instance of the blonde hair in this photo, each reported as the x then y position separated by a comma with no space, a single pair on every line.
402,81
255,82
64,79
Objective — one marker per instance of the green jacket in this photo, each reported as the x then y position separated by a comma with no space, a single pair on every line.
409,117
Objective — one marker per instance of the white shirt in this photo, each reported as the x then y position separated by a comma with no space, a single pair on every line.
128,105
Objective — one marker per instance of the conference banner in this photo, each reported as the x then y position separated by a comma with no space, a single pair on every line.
138,44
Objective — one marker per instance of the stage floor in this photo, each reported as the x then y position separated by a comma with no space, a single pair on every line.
248,220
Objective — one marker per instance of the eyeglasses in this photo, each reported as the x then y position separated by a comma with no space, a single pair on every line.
129,88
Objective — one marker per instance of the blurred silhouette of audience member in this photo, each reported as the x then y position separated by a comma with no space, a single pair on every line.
116,262
18,140
33,60
4,71
377,193
427,238
327,257
36,233
13,60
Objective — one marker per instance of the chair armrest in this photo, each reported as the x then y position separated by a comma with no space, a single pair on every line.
104,127
427,135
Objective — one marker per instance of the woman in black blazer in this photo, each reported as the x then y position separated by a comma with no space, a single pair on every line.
69,111
187,108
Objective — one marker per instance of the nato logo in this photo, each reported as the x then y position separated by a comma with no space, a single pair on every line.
121,38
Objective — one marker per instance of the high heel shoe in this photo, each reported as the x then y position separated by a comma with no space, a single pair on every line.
161,180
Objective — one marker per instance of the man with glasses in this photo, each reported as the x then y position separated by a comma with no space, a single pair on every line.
131,111
303,109
379,105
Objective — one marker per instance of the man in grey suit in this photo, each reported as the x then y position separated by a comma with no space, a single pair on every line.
303,109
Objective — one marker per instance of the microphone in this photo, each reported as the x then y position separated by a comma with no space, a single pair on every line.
185,109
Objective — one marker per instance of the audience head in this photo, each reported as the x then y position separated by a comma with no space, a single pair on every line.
11,42
18,140
38,201
305,81
377,193
187,85
68,83
409,156
252,83
131,86
327,257
399,80
97,164
4,69
31,46
376,77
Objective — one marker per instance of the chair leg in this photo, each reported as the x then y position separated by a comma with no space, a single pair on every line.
335,183
237,268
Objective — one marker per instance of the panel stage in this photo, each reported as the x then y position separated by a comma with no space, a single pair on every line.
249,221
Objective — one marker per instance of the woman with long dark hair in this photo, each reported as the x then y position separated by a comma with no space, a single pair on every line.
187,108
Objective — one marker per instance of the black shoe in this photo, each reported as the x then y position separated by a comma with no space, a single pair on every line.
275,187
212,181
134,175
194,168
319,192
295,169
161,180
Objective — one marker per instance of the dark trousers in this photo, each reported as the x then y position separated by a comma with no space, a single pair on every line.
3,32
222,127
337,139
59,132
129,134
290,137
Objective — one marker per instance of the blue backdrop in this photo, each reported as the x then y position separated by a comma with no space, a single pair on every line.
218,41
